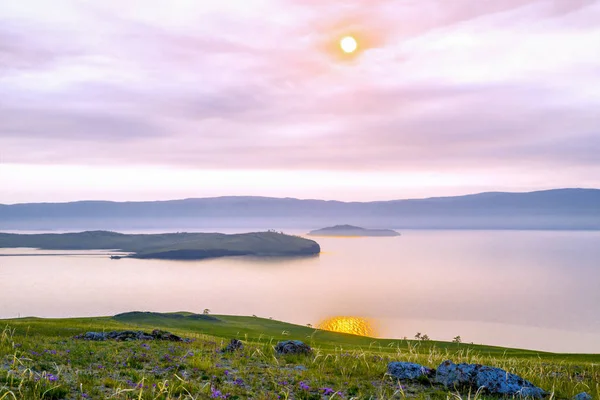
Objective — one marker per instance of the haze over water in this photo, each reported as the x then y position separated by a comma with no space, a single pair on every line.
527,289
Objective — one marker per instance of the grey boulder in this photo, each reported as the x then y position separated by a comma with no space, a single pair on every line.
582,396
292,347
407,371
489,379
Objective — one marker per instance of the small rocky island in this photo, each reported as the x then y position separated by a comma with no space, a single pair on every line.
169,246
352,231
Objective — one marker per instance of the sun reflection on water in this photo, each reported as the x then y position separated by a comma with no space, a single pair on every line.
353,325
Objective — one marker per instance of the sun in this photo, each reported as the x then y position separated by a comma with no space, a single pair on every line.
348,44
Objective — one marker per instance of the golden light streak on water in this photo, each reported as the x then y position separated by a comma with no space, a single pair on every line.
353,325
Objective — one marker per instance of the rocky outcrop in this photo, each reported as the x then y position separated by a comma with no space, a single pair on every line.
292,347
491,380
406,371
233,346
130,335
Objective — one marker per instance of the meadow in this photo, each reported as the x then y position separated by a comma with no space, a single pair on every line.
41,359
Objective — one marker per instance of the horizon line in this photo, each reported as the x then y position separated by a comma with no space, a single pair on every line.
303,199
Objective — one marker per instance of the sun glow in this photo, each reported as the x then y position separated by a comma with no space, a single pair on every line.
352,325
348,44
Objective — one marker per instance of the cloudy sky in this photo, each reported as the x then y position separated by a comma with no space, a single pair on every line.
156,99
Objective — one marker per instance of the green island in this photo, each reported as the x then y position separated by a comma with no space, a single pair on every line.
171,246
352,231
49,359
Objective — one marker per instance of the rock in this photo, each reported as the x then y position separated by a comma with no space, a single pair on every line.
163,335
492,380
234,345
93,336
292,347
124,335
406,371
582,396
145,336
452,375
130,335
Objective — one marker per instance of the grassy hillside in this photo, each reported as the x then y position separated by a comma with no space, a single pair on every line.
40,359
169,245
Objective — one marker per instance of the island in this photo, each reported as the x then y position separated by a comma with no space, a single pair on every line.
352,231
169,246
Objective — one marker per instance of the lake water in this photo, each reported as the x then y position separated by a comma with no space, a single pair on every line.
527,289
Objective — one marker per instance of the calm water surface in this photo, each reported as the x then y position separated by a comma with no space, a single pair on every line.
538,290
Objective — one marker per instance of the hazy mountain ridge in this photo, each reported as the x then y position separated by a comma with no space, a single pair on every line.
549,209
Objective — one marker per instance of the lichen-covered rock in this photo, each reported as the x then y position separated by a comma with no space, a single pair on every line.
582,396
292,347
406,371
234,345
453,375
491,380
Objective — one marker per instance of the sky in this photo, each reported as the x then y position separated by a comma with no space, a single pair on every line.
154,99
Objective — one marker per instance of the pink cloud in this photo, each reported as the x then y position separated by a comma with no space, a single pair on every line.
435,86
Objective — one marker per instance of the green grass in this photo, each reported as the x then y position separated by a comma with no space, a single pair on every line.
39,359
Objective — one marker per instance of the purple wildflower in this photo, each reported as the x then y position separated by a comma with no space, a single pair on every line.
51,378
304,386
328,391
216,394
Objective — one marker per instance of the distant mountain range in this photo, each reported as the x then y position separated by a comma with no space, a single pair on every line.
550,209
